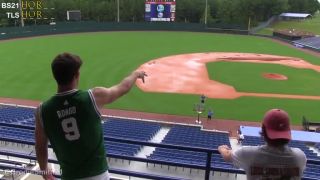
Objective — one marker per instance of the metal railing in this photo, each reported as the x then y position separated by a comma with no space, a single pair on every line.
207,168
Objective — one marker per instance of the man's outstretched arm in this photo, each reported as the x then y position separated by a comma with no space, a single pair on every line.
105,96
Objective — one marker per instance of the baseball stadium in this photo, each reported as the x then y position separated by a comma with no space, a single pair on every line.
232,60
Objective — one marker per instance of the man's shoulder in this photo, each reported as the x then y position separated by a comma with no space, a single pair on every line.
244,150
47,101
298,152
80,91
251,148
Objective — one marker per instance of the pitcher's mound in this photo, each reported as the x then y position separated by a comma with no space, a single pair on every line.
274,76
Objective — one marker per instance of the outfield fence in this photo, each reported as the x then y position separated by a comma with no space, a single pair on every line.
91,26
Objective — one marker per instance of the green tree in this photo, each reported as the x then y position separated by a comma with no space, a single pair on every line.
189,10
304,6
131,10
228,10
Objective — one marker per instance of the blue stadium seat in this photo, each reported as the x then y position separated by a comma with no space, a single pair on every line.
194,137
128,129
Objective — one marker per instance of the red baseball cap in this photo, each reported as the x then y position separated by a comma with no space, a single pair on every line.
277,124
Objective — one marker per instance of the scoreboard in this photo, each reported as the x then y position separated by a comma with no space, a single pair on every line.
160,10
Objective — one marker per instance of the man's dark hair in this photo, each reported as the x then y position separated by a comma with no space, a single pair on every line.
273,142
64,67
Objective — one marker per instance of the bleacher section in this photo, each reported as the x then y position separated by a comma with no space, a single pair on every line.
128,129
194,137
17,134
311,42
10,117
17,115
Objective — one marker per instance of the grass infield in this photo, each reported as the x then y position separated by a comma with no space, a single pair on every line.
248,77
109,57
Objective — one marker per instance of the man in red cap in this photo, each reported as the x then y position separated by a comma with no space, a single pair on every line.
275,160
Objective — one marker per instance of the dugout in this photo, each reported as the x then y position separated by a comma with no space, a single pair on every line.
309,125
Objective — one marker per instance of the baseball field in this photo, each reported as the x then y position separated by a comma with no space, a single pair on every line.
110,56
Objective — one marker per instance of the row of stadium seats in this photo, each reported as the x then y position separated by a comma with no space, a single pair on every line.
17,115
16,111
123,149
194,137
189,158
313,42
16,133
128,129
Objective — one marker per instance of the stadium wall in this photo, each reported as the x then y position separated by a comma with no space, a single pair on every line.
88,26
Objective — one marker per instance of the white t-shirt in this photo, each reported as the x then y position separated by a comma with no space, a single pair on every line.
269,163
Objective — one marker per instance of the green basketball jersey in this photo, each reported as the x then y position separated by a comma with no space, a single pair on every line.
72,124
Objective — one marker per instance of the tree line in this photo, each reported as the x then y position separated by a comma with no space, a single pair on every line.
189,11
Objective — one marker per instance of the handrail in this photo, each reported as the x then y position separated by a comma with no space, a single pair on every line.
162,145
17,126
111,170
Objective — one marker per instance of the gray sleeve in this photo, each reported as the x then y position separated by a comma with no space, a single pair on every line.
302,159
241,158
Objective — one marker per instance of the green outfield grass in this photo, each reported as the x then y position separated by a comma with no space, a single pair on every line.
109,57
248,77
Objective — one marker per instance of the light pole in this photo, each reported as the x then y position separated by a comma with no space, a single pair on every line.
21,18
118,11
206,13
199,109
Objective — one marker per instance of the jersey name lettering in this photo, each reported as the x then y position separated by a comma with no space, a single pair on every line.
66,112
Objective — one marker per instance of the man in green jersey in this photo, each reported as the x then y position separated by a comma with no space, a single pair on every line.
71,121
